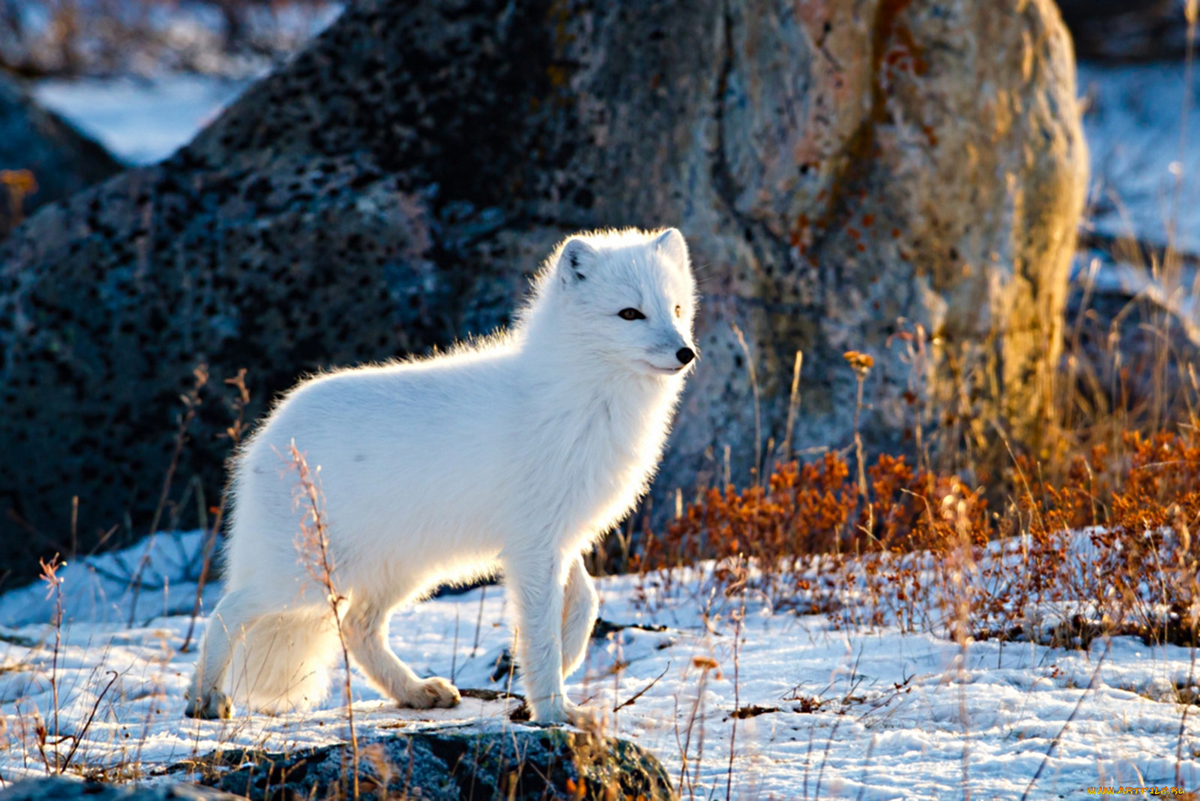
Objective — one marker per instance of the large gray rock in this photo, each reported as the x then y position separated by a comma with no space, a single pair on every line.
842,172
548,764
62,160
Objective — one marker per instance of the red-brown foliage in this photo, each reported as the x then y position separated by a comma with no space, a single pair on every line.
1111,539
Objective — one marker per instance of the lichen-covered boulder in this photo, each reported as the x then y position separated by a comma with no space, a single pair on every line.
35,141
550,764
848,176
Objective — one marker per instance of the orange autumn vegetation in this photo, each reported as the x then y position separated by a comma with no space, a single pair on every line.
1110,542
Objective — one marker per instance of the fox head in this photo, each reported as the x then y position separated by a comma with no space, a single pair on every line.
627,298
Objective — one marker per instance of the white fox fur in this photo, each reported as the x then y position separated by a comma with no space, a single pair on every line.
513,454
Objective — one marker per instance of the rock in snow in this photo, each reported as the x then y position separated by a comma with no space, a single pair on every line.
447,765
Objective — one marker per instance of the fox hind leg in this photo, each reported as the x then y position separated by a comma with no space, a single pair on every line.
230,620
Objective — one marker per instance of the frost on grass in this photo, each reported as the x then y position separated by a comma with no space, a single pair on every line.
820,708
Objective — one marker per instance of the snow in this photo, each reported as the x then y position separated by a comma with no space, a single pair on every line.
165,569
141,121
1135,128
146,95
860,713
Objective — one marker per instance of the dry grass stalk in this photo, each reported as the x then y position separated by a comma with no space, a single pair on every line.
53,583
758,460
689,777
313,545
739,616
191,402
785,449
234,433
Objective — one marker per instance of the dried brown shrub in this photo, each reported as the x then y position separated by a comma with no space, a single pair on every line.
1108,540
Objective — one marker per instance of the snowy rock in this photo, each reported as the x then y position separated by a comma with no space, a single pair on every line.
835,167
449,765
62,160
68,789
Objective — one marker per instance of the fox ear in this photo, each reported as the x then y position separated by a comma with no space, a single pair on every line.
575,261
672,245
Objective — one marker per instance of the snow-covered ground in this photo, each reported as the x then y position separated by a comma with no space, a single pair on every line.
1142,124
853,713
175,77
141,120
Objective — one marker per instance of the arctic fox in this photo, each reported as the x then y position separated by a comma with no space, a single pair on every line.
513,455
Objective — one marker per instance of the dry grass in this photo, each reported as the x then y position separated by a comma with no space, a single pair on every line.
313,545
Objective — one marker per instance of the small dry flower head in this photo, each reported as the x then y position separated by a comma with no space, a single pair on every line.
21,181
860,363
704,662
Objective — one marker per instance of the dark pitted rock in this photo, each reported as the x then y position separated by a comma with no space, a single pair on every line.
1127,30
836,168
61,160
62,789
447,765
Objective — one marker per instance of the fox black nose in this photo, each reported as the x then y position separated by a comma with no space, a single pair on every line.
684,355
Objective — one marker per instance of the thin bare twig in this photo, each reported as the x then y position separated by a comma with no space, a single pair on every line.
191,401
641,692
739,617
1070,718
87,724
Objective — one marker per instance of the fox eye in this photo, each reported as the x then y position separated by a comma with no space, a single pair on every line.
631,314
678,311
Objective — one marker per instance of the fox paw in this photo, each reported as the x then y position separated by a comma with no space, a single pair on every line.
582,717
587,718
432,693
213,706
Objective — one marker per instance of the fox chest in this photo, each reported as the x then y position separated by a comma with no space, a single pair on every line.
603,471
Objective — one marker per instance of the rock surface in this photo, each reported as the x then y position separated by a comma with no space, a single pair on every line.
448,765
1133,342
62,789
844,174
1127,30
61,160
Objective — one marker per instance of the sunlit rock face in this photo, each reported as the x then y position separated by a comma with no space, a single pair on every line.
897,177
